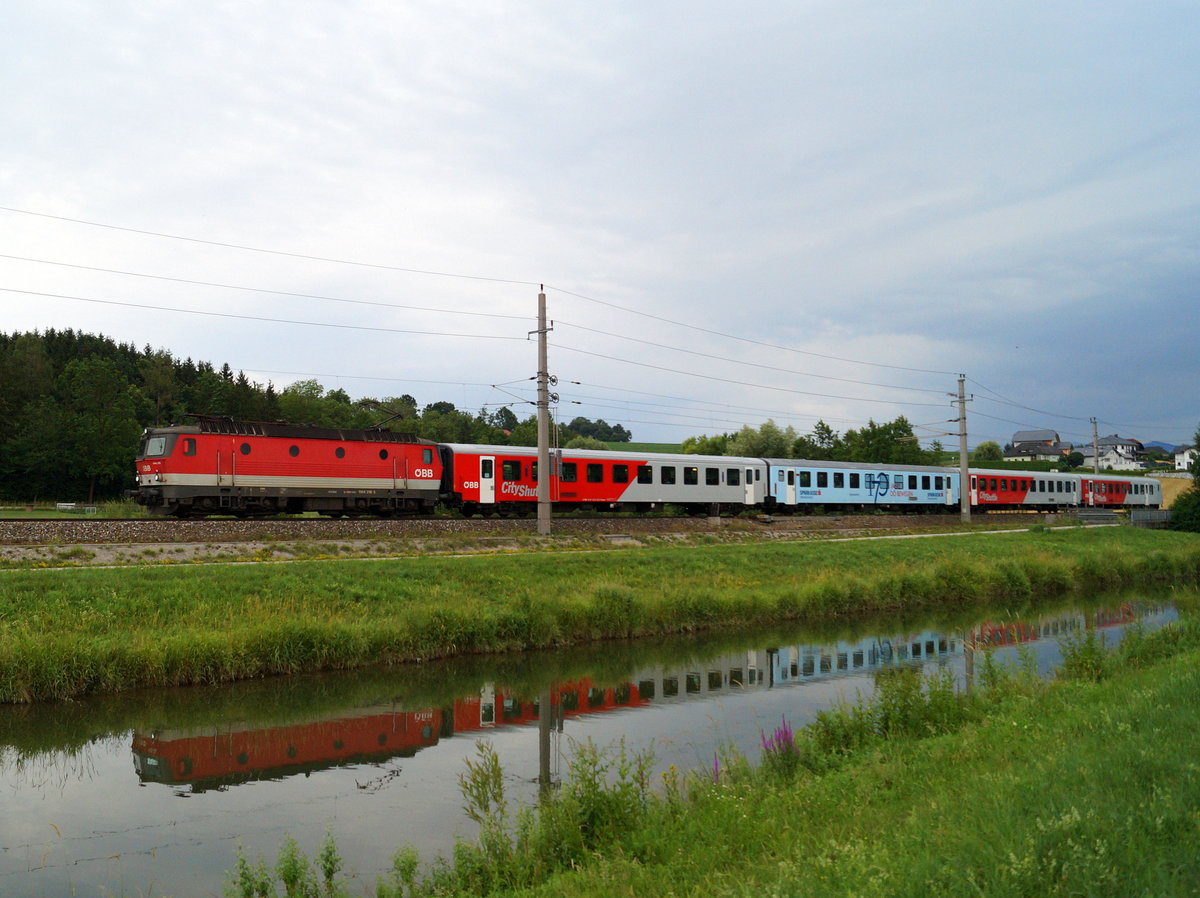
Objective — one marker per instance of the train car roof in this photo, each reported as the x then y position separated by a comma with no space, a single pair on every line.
857,465
611,454
284,430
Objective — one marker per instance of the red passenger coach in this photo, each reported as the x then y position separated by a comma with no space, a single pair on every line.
504,480
221,466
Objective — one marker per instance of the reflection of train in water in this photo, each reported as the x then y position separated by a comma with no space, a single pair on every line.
239,753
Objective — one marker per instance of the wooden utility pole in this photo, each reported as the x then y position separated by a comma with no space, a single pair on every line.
543,422
1095,448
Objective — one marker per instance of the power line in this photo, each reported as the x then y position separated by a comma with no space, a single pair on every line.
355,327
270,252
717,333
707,355
433,273
738,382
196,283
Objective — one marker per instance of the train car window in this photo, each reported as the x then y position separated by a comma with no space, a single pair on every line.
757,474
712,476
383,453
791,477
189,446
854,481
822,478
924,481
510,469
839,480
938,483
1003,483
912,481
789,474
339,452
871,482
569,472
691,476
620,473
806,478
645,474
427,456
486,468
244,448
1058,486
993,482
595,473
666,474
733,477
293,451
898,481
974,483
534,471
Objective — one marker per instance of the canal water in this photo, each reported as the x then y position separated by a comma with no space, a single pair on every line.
155,793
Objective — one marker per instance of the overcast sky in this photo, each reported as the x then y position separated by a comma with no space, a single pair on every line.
787,210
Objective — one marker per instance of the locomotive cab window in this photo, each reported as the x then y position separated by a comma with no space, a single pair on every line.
155,446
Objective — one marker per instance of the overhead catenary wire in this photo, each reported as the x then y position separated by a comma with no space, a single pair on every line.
287,293
239,317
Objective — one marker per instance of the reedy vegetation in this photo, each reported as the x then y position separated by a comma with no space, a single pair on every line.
70,633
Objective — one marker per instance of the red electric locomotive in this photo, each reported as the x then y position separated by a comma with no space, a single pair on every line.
221,466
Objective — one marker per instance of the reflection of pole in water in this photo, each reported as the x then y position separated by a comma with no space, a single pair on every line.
549,721
968,644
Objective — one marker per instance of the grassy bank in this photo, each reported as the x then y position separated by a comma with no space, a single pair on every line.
1083,786
68,633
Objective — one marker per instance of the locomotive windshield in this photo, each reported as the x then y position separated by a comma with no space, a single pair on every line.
154,447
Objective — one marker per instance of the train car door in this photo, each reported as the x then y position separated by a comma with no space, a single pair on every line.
487,480
791,487
748,482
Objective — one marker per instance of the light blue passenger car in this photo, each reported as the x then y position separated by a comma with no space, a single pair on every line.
801,484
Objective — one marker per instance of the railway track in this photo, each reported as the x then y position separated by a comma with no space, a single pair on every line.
96,531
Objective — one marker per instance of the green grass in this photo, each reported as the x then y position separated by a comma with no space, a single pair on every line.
73,632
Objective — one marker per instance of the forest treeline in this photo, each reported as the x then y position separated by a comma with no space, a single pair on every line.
73,406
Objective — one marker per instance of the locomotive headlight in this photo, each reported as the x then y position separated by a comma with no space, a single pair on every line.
158,478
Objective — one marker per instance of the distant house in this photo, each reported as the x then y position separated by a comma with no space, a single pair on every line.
1036,445
1184,456
1116,454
